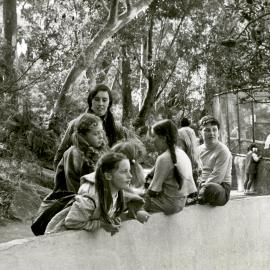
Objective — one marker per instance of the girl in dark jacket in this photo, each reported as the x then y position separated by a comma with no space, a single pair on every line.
80,159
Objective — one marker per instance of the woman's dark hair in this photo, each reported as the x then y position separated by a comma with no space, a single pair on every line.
108,119
252,145
107,163
166,128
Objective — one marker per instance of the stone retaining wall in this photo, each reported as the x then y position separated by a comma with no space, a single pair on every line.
233,237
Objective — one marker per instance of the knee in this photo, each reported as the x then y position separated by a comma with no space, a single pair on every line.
173,209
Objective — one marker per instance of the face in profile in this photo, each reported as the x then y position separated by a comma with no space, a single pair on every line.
100,103
121,177
95,136
210,133
159,142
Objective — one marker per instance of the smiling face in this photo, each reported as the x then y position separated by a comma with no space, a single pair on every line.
95,136
120,177
100,103
210,134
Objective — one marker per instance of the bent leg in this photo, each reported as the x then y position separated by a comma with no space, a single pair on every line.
246,182
161,204
251,181
215,194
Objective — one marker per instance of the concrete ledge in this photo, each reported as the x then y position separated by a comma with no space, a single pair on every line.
233,237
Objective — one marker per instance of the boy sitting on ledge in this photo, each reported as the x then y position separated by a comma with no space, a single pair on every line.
216,162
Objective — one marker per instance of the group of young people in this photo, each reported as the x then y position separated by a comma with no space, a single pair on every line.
97,168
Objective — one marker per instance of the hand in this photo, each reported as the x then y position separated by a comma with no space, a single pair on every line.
130,196
142,216
112,228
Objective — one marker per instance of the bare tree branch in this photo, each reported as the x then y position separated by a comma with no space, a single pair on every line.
144,71
167,80
113,15
251,22
128,6
104,4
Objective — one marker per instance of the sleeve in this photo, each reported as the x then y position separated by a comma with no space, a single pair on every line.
124,133
80,216
73,163
181,140
64,144
255,157
161,172
220,169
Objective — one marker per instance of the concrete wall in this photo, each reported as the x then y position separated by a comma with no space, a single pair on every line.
233,237
262,185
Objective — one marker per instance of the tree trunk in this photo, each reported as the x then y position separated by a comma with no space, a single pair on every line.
149,100
87,58
9,52
143,55
10,31
127,111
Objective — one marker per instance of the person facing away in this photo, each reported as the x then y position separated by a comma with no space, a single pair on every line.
80,159
251,162
172,175
99,103
101,206
216,162
187,141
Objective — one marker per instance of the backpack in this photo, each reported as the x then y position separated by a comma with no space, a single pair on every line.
51,205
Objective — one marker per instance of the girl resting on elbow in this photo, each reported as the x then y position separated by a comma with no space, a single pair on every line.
101,207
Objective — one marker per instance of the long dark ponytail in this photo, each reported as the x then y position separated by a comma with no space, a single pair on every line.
107,163
168,129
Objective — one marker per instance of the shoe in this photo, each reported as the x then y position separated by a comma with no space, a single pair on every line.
191,201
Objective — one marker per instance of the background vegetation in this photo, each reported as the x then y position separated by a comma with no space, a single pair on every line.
160,58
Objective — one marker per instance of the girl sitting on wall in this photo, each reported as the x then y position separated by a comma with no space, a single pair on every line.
80,159
172,175
101,206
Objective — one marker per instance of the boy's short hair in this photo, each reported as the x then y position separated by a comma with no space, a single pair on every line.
208,119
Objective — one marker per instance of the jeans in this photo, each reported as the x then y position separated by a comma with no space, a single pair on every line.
214,194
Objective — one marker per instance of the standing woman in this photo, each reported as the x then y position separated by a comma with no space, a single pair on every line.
99,103
172,180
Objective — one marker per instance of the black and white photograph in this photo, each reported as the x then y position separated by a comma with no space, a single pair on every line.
135,134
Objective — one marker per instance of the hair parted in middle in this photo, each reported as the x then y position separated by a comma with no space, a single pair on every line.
106,164
108,119
166,128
